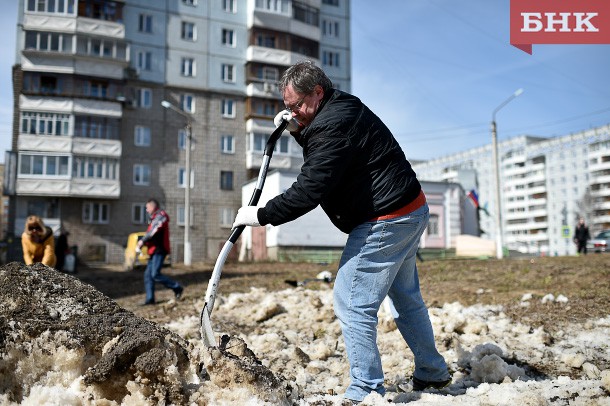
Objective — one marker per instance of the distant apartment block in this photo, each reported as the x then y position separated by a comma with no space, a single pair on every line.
546,185
91,141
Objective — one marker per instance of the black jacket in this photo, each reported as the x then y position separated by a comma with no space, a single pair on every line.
353,167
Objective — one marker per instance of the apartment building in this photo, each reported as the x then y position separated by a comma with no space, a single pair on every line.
546,185
92,141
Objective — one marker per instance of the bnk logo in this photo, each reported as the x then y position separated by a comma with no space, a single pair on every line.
559,22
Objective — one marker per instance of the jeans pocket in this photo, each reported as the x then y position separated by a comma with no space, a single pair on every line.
400,236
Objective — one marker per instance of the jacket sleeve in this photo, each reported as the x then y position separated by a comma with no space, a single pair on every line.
48,257
327,159
28,258
157,224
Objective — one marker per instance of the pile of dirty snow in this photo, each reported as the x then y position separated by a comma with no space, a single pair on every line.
63,342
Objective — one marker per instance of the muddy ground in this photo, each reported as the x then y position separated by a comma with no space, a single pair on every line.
584,280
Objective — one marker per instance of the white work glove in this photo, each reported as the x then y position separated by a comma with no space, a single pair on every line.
138,250
293,124
247,216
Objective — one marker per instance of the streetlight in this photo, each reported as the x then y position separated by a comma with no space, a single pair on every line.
494,138
187,181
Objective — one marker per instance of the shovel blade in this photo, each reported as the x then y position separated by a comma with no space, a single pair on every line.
207,334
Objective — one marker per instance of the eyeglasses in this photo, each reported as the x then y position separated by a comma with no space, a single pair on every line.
34,228
297,106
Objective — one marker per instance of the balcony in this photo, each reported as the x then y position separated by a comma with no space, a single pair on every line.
70,24
263,89
88,188
273,56
62,105
284,22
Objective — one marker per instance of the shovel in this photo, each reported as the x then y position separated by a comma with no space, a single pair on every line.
210,296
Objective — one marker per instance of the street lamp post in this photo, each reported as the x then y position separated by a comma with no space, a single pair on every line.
494,141
187,181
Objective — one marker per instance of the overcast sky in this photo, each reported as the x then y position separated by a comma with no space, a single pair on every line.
434,70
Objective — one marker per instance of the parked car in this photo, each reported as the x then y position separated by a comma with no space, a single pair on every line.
133,260
600,242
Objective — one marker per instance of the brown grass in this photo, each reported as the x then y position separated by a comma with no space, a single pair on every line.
585,281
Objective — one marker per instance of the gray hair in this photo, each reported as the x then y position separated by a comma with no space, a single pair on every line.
304,76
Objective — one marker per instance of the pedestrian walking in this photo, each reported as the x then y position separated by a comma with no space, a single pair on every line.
156,240
581,236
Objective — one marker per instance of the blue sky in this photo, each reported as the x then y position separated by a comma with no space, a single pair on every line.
434,70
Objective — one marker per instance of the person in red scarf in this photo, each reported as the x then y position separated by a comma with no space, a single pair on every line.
156,240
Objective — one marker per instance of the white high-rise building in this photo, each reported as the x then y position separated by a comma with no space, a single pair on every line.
546,185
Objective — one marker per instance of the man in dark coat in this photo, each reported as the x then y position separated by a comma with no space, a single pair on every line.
356,171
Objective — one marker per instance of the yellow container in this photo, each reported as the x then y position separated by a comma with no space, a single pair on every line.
134,260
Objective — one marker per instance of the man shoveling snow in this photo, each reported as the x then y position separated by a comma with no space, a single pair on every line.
354,168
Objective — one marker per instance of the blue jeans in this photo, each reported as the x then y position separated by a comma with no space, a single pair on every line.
379,260
153,275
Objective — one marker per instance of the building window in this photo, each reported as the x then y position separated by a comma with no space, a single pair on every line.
305,13
190,2
227,144
145,23
96,213
138,213
227,215
96,127
180,215
48,41
188,67
226,180
274,6
144,60
43,165
51,6
265,40
269,73
433,226
330,28
141,175
228,73
144,98
45,123
182,178
331,2
182,139
330,58
142,136
228,37
101,48
95,168
259,141
189,31
228,108
187,102
230,6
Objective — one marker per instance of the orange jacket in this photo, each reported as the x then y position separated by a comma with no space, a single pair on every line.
43,251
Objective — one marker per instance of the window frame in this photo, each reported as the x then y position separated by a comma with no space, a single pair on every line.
88,209
227,144
184,33
181,178
227,108
230,42
227,74
141,207
143,171
142,133
227,180
145,23
188,67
